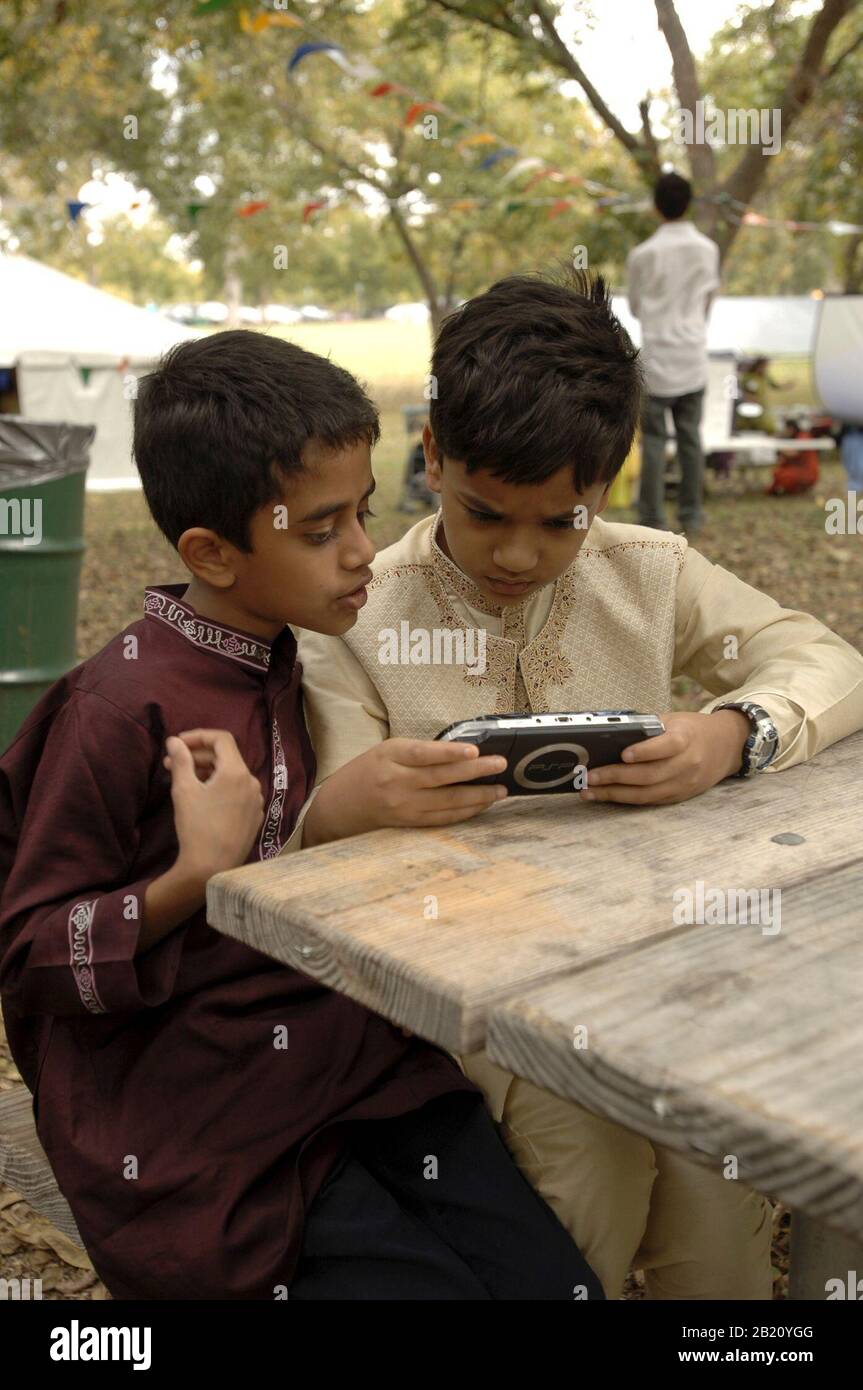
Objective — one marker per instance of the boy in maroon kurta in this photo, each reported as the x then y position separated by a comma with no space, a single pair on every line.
222,1126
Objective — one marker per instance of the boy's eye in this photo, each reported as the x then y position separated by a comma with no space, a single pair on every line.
563,524
320,537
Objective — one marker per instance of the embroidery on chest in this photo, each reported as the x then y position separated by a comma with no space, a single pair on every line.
271,841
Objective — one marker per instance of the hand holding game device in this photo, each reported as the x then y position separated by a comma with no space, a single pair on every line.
551,752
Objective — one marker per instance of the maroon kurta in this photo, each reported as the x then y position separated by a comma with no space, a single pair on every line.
186,1142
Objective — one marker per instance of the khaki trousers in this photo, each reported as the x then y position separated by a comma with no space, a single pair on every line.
629,1203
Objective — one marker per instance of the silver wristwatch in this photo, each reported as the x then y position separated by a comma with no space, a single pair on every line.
762,745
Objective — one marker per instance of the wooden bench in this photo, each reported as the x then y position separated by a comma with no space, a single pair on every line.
24,1167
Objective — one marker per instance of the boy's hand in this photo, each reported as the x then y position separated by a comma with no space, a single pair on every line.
695,752
216,819
402,782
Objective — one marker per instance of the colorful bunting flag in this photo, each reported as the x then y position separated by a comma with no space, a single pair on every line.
418,106
249,209
312,207
482,139
305,49
544,173
74,209
492,159
521,167
253,26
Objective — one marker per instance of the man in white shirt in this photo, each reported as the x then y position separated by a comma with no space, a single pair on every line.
672,278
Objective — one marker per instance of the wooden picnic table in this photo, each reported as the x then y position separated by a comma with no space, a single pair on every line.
552,932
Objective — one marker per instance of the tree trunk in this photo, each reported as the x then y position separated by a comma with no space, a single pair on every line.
233,298
852,262
423,273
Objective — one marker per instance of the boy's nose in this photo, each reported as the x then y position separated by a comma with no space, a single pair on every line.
514,563
359,554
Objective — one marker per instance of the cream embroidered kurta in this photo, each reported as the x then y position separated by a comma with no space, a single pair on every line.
635,608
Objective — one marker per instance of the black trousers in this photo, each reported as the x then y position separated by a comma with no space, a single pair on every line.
430,1205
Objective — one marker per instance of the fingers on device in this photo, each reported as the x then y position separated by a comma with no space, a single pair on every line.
544,752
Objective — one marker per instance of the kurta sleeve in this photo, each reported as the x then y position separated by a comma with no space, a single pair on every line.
71,913
345,714
741,645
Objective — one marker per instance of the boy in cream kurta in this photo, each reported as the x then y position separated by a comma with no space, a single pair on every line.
585,616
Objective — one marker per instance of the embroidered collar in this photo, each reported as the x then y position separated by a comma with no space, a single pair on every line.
163,602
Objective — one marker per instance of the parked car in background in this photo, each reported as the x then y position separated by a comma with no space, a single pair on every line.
313,314
280,313
180,313
408,313
212,312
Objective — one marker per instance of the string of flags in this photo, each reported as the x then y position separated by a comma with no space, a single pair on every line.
474,137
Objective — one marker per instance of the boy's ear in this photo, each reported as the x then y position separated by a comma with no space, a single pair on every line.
604,499
207,556
433,461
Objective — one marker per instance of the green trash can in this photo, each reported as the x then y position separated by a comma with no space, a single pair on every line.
43,469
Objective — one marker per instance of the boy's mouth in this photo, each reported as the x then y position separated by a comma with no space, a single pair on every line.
355,598
509,586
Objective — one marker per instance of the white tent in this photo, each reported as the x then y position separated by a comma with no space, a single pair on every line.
75,351
749,325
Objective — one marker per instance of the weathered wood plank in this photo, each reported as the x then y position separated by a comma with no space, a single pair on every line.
721,1043
819,1255
531,889
23,1165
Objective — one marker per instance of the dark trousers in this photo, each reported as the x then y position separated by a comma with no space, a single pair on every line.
686,413
430,1205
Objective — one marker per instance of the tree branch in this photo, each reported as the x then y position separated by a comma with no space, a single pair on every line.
570,65
422,270
687,88
846,53
751,169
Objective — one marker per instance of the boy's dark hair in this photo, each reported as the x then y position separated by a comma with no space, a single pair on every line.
222,422
534,375
672,195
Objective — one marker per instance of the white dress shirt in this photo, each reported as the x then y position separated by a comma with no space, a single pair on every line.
670,277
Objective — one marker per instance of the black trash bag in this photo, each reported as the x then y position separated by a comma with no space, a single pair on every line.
38,451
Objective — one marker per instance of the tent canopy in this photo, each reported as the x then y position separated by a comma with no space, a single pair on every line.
749,325
44,311
75,350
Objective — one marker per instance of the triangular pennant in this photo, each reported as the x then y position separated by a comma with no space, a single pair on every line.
305,49
492,159
418,106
